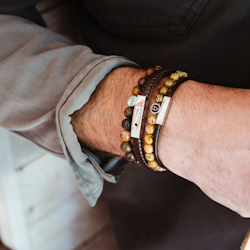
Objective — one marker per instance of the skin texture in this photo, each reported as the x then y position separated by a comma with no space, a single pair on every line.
105,111
206,138
207,141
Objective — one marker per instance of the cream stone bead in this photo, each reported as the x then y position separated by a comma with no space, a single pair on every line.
150,129
174,76
149,157
149,139
148,148
159,98
179,72
152,164
152,119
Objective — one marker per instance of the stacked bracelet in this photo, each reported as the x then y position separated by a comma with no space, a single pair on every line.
135,152
134,123
137,138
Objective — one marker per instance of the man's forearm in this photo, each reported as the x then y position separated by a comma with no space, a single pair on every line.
105,111
205,139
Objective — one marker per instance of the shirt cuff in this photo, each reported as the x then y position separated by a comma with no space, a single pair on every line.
85,165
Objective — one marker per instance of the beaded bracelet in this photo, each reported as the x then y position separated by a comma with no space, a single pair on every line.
159,111
126,145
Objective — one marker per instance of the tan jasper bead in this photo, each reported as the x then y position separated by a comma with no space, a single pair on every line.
149,139
159,98
136,90
150,129
149,157
152,164
179,72
184,74
152,120
163,90
148,148
169,83
160,169
174,76
125,135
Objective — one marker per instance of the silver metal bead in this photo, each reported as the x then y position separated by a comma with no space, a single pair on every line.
155,108
132,101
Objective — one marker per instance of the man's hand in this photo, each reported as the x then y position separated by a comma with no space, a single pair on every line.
206,138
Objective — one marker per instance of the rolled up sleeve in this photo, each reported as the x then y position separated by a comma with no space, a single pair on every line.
44,79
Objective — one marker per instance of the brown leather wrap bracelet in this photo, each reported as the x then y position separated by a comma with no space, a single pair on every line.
158,127
146,88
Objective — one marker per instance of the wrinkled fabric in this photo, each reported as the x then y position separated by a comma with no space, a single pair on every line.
44,79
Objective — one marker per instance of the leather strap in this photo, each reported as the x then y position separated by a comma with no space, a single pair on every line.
146,88
155,144
158,127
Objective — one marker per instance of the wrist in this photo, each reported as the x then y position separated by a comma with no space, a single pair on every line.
201,127
98,123
173,136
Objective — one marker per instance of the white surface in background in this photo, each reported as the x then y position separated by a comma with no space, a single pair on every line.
11,201
41,207
24,151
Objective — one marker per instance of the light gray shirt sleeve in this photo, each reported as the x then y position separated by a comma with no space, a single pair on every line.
44,78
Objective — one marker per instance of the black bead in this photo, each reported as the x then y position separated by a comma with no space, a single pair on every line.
128,112
126,124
